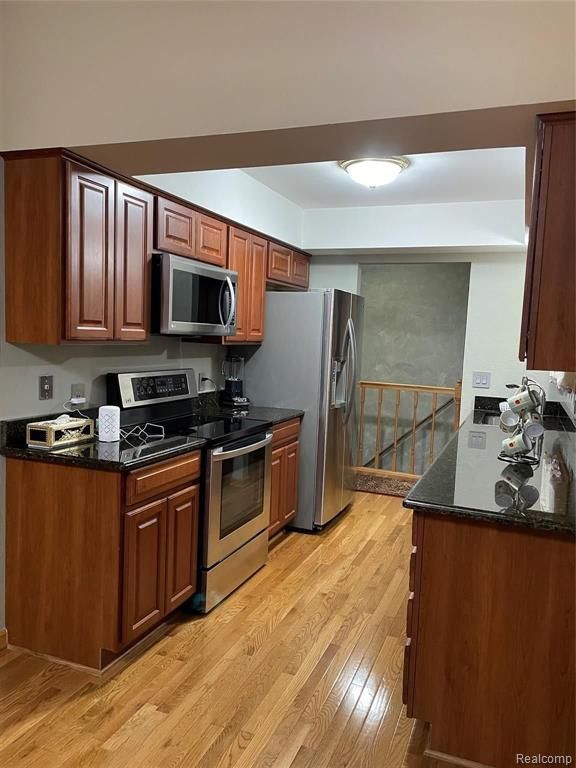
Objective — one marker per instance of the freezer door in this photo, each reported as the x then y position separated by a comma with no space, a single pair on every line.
338,360
351,425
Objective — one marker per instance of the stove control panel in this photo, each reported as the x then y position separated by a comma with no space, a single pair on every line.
155,387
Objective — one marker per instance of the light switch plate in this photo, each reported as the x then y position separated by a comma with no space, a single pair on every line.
477,439
481,379
45,387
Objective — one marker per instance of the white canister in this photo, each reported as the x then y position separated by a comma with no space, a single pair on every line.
109,423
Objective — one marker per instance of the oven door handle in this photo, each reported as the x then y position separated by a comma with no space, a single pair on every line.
219,454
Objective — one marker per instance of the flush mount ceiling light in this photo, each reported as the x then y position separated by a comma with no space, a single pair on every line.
374,172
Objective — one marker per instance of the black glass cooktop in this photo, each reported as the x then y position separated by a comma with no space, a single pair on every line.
216,429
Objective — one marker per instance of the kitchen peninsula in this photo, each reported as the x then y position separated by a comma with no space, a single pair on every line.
489,659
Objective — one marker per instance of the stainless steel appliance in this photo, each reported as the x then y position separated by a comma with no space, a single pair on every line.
238,515
310,359
237,469
194,298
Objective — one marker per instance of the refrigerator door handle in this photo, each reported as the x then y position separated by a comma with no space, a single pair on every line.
352,351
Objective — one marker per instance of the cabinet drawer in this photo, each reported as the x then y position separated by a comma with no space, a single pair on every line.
286,432
162,477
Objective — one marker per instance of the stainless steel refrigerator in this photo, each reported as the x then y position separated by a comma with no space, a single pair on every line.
310,359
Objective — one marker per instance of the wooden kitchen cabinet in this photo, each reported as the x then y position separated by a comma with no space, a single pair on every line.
247,255
134,230
182,546
548,334
144,600
284,479
186,232
90,255
287,267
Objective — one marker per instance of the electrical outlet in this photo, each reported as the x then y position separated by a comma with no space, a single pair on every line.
481,379
78,390
477,439
46,387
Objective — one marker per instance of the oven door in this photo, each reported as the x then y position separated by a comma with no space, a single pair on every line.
238,495
196,298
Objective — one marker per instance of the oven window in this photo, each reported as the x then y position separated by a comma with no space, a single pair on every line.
195,298
242,490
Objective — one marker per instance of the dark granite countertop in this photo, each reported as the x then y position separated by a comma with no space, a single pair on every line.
126,454
468,480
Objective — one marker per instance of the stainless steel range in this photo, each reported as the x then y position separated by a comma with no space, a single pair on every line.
237,470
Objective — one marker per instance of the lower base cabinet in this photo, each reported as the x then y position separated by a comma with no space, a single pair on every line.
284,482
160,560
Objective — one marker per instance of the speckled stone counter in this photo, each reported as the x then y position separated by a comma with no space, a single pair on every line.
468,480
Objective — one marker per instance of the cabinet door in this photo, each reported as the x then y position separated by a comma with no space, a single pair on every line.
279,263
182,554
291,492
257,289
175,228
549,318
300,270
134,220
211,240
277,493
238,258
144,569
90,255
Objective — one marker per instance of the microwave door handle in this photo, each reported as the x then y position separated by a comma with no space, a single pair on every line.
220,295
232,300
219,454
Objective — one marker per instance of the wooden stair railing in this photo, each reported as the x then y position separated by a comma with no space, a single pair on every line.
454,395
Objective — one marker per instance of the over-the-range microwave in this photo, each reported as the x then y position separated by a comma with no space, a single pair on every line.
193,298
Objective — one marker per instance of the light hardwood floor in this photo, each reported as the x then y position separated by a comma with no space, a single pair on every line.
300,668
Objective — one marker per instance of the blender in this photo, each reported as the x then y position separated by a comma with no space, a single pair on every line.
233,393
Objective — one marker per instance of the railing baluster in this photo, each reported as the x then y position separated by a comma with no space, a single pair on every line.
413,443
433,429
379,428
360,461
395,451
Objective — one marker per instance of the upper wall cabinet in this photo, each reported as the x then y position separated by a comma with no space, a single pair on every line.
287,267
247,256
186,232
548,337
78,247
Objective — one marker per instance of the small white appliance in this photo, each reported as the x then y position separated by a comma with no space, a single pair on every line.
109,423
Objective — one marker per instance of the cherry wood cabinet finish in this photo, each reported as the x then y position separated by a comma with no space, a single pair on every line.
63,560
175,228
493,650
279,263
247,255
182,553
144,602
300,269
257,282
90,255
277,490
211,240
284,480
548,336
134,230
33,191
161,477
238,261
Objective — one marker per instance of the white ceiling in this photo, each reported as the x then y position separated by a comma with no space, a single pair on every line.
443,177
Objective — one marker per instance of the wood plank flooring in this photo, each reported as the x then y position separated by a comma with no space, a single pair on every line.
300,668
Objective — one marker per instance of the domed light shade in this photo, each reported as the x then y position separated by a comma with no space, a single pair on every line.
375,172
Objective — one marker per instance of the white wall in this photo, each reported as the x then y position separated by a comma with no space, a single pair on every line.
334,272
493,326
93,72
234,194
496,223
